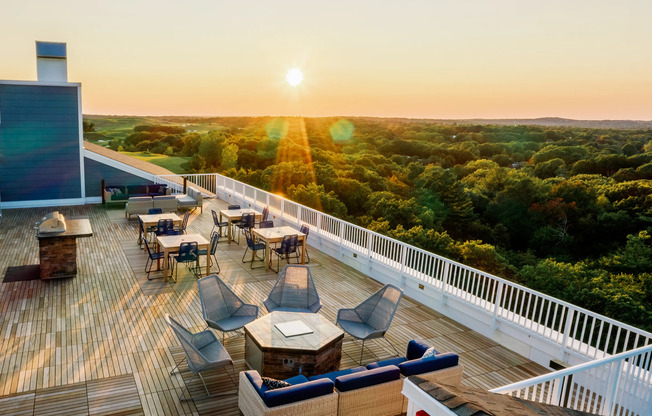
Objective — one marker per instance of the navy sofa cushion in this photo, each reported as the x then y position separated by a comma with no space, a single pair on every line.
413,364
426,365
367,378
301,389
157,189
335,374
137,190
415,349
392,361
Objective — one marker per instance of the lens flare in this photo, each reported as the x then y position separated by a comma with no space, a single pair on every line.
277,128
341,130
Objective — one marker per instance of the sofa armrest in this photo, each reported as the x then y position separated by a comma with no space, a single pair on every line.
251,404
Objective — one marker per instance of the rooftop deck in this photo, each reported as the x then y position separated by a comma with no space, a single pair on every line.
98,344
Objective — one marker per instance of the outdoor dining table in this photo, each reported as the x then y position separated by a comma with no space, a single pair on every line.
235,215
171,243
151,220
275,235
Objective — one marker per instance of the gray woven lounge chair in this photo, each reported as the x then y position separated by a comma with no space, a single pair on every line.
294,291
371,318
203,352
222,308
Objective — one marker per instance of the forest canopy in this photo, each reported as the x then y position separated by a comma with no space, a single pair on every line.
566,211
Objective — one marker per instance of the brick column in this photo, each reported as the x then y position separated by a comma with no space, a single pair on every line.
58,256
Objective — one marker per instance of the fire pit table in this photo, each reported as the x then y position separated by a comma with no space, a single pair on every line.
284,344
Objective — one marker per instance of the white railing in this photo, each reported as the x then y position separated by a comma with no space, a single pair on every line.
563,330
617,385
204,182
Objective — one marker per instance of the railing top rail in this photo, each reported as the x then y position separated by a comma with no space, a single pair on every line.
470,269
572,370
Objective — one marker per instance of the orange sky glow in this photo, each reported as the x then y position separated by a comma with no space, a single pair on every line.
415,58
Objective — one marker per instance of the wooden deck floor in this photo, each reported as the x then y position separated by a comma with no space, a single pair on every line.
97,344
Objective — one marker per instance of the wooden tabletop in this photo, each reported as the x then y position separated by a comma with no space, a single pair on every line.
153,218
276,233
266,335
237,213
169,241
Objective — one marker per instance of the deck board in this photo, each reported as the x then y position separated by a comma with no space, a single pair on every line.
97,344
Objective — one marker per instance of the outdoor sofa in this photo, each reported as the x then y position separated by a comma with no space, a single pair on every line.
142,204
374,390
121,193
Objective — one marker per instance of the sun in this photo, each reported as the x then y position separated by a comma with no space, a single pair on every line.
294,77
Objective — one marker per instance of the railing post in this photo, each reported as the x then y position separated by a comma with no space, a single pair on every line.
370,247
341,237
282,208
444,282
609,403
403,278
497,300
299,214
567,328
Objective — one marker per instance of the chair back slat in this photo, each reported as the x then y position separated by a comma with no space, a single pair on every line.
188,251
288,244
215,238
248,220
184,223
378,311
267,224
265,214
234,207
195,358
217,299
249,238
295,288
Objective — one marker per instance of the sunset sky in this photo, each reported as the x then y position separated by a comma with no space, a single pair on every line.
426,59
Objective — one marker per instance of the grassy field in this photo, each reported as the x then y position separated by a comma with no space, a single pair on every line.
171,163
119,127
108,128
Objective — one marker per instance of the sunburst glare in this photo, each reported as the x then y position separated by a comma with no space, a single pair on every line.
294,77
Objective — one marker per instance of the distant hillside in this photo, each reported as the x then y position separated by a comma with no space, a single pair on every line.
109,122
557,121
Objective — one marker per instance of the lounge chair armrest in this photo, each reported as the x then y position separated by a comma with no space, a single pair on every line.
246,310
348,315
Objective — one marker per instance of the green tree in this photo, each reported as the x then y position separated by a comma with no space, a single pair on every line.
229,157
